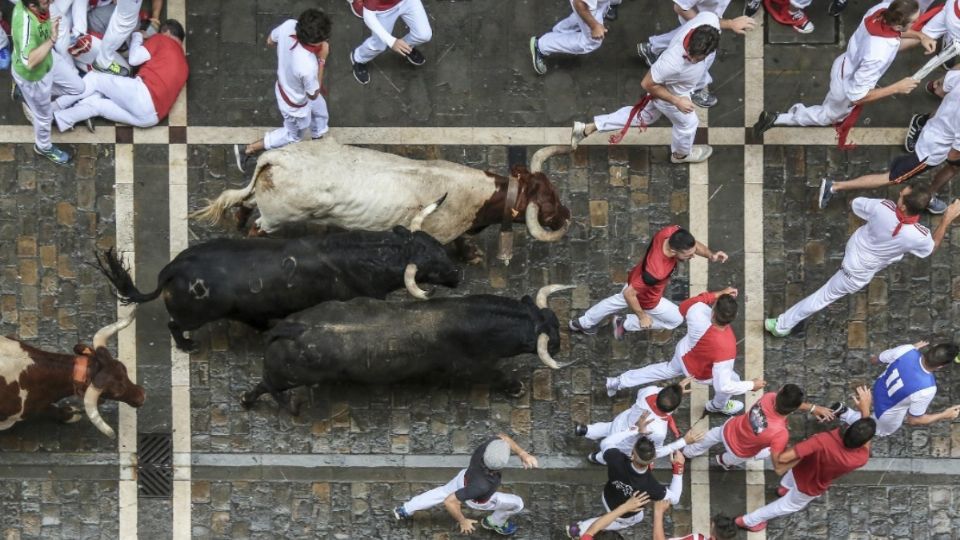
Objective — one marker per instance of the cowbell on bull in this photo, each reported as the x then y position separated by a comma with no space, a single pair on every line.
33,381
372,341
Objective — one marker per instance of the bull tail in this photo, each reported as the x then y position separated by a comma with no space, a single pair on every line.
111,265
215,211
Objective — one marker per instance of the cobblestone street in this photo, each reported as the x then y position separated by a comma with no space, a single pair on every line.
355,452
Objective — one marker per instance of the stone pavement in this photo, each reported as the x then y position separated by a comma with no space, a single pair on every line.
478,75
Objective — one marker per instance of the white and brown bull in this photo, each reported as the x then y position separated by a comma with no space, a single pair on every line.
327,183
32,382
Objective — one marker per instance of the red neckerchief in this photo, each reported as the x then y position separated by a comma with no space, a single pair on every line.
315,49
904,219
877,28
44,17
956,8
686,44
652,403
923,19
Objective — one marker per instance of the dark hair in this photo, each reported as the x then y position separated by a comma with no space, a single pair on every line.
704,40
174,27
788,398
681,240
725,309
898,13
27,3
645,449
859,433
313,26
670,398
917,200
941,354
724,528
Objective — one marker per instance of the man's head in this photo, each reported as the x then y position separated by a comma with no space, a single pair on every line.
913,200
703,41
38,6
941,355
681,245
723,528
670,398
174,29
725,310
313,27
644,452
788,399
496,455
859,433
900,14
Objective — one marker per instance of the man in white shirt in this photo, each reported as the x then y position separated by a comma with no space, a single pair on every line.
381,16
582,32
302,51
855,73
651,416
939,141
906,388
890,232
669,84
686,10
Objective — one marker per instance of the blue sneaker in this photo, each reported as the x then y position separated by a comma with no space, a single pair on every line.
54,154
826,193
5,57
399,513
506,529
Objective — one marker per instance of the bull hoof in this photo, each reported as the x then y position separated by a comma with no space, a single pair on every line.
188,346
247,399
294,407
515,389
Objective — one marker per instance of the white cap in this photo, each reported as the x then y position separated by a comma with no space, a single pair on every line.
496,455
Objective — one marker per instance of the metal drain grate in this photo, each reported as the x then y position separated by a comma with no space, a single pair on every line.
155,469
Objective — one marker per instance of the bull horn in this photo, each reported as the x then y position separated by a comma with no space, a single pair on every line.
90,400
537,231
542,155
104,334
543,341
546,291
417,222
410,281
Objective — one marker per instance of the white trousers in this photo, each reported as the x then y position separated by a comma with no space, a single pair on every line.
684,124
660,42
714,437
793,501
665,315
670,370
413,15
63,9
123,100
503,505
313,115
617,525
572,35
61,79
123,22
622,422
838,286
835,106
888,423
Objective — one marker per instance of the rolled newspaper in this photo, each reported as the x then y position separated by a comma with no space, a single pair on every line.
938,60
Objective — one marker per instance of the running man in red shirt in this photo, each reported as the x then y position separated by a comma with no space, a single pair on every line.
760,433
706,353
812,465
643,293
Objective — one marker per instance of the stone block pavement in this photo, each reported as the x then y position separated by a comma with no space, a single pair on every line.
478,75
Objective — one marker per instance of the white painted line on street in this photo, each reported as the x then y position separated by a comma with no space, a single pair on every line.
126,345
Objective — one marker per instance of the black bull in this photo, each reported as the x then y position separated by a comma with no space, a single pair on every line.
371,341
259,279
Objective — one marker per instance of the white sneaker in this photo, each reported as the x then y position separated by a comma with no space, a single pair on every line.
613,386
730,408
577,134
699,153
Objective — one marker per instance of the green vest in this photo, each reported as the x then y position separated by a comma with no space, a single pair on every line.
27,33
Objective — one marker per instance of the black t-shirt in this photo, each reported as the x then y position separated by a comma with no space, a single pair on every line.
623,480
479,482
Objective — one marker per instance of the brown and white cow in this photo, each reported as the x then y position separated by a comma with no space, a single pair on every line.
32,381
327,183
